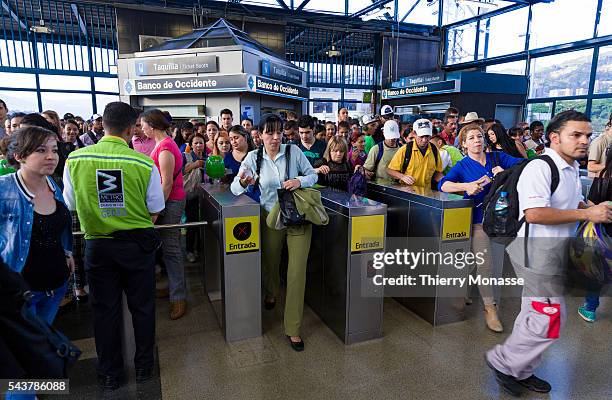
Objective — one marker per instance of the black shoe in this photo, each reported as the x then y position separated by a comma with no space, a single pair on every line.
109,382
536,384
508,383
144,374
269,305
297,346
83,299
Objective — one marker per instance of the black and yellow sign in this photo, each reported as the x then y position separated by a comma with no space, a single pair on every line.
367,233
241,234
457,224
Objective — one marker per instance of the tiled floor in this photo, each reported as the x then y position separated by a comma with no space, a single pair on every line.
412,361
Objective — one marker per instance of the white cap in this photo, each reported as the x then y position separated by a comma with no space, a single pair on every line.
386,110
391,130
422,127
367,119
95,117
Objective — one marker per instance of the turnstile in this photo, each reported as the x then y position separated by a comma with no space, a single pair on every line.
232,261
442,220
339,287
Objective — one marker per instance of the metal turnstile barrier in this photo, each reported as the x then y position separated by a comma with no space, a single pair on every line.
338,287
231,271
444,220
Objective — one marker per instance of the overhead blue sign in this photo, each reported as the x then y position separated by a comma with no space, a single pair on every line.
280,72
264,85
419,90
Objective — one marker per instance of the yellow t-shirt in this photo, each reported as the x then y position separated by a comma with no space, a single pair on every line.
421,168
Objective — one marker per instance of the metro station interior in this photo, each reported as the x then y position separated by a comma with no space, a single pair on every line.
394,68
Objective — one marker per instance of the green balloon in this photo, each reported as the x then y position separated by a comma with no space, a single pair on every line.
215,167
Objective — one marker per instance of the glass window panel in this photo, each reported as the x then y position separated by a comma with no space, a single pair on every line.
605,19
264,3
562,21
325,93
103,99
357,5
65,82
600,114
564,105
503,34
455,11
326,6
425,13
107,84
460,43
565,74
324,110
603,80
511,68
75,103
539,112
20,101
15,54
10,79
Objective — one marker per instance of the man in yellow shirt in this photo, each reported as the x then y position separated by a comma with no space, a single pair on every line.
421,163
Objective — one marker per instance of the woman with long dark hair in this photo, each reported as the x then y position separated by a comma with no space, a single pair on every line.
498,140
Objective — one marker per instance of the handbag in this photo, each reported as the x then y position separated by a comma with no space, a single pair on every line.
41,351
192,179
290,216
358,184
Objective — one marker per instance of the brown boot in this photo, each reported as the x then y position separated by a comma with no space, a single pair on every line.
177,309
493,322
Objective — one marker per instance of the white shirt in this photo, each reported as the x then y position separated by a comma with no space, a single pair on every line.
534,192
546,244
155,195
446,158
272,173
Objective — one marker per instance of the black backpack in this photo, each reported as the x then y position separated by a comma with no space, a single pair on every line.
408,155
506,181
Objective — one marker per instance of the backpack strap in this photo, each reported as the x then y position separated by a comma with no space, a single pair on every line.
407,156
434,150
80,142
258,161
554,182
92,137
287,159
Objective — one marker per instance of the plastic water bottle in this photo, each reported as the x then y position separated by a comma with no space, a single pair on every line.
501,213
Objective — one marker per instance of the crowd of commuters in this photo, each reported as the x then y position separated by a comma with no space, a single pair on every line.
88,161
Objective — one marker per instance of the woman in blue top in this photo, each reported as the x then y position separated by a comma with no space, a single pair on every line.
473,175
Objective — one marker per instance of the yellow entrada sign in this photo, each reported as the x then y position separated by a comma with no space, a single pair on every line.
367,233
457,224
241,234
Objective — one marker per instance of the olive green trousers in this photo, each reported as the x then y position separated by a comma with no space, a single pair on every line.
298,245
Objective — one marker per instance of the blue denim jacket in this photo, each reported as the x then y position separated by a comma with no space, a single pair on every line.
16,219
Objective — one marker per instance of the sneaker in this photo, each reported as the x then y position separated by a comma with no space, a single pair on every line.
509,384
191,258
535,384
588,316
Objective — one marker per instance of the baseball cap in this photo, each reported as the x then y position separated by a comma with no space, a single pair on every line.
386,110
391,130
68,116
367,119
422,127
95,117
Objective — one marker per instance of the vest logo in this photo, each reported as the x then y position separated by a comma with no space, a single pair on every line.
109,183
242,231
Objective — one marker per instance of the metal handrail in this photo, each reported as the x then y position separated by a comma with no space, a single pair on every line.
165,226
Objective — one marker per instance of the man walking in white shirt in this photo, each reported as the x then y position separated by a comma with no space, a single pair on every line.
550,220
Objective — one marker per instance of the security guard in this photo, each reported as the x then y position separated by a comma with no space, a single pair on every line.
117,194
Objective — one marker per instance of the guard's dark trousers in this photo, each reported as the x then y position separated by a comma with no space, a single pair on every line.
115,266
